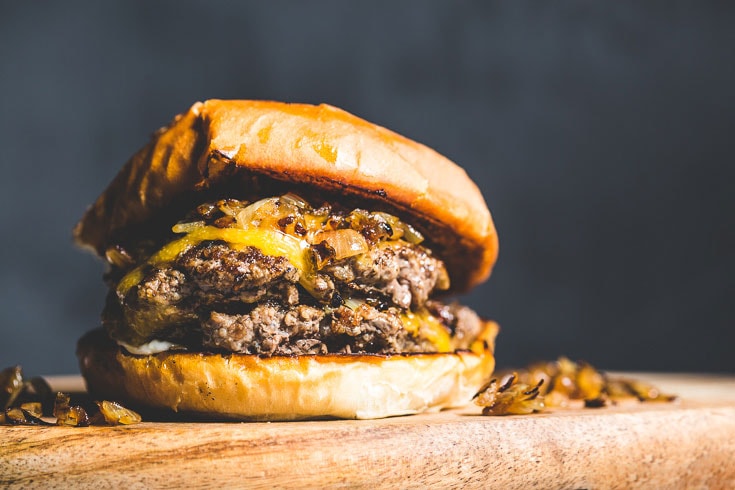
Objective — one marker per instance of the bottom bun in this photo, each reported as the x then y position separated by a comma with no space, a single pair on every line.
249,387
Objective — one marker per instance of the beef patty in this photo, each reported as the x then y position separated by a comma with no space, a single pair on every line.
247,302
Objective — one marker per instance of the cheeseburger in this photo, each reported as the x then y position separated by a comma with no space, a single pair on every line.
272,261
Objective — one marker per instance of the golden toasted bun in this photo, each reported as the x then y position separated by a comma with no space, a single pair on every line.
240,143
248,387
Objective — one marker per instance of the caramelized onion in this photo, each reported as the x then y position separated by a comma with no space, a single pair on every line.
294,200
411,234
561,384
66,414
116,414
119,257
29,396
11,384
396,227
254,214
509,397
230,207
33,408
346,243
354,303
187,227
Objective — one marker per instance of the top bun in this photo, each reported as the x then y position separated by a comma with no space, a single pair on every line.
246,145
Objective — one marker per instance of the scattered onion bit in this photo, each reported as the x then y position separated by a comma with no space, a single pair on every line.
11,385
66,414
561,384
21,416
116,414
33,408
110,413
22,402
644,392
509,397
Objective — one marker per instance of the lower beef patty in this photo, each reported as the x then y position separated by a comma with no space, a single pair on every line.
302,329
247,302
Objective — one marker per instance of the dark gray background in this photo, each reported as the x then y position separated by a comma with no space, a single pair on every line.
600,133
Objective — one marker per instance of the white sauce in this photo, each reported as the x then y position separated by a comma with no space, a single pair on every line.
152,347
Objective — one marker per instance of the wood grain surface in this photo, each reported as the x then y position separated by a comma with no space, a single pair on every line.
686,444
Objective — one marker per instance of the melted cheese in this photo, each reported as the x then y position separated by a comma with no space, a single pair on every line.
428,327
269,241
422,324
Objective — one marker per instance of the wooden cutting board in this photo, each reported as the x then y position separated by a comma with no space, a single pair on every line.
686,444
